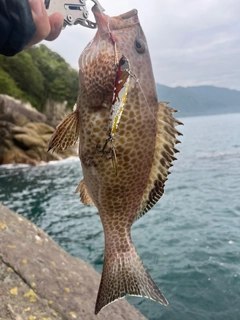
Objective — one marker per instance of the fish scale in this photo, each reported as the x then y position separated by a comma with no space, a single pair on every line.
143,147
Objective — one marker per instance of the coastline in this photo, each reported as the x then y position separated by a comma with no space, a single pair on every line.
39,280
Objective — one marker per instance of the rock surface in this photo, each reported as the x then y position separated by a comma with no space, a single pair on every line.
24,135
55,112
40,281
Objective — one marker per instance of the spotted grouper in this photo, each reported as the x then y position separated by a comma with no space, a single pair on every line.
126,146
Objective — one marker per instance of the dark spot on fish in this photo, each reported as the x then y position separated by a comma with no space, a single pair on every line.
156,192
166,156
163,162
170,130
160,181
126,158
87,160
168,149
97,108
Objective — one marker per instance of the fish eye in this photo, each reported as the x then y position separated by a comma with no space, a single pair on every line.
140,46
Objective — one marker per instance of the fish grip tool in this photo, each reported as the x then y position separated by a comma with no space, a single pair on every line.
73,11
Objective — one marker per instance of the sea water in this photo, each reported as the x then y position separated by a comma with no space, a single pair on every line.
189,241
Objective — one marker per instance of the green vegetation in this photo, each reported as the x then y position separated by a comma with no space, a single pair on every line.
37,75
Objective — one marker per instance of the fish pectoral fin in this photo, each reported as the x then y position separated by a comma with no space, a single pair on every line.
66,133
85,198
164,155
124,273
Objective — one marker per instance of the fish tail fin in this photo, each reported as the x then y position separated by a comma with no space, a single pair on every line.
124,273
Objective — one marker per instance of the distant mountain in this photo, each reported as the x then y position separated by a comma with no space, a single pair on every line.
202,100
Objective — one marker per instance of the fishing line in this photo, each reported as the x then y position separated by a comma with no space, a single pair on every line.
133,76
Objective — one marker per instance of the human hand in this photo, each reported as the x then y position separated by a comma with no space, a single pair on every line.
48,28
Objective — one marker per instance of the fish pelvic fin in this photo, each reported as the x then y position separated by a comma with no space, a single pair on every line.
124,273
66,133
85,197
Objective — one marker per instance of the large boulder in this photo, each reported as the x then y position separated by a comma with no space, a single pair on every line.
39,280
55,112
24,134
16,112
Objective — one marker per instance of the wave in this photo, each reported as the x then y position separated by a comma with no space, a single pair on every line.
62,161
218,154
14,166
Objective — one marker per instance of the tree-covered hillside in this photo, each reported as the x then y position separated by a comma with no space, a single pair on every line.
37,75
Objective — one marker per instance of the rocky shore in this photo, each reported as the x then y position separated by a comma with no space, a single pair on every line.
40,281
25,133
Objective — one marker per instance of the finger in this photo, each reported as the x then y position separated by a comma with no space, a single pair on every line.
41,20
56,23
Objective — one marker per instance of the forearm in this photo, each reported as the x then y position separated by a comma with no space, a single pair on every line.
17,27
24,23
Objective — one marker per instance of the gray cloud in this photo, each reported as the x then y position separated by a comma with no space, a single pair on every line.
192,42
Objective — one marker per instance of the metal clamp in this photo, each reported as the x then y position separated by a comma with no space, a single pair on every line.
74,11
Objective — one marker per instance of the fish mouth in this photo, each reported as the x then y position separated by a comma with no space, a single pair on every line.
103,20
129,14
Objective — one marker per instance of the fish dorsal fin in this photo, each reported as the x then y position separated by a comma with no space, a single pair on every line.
163,157
85,198
66,133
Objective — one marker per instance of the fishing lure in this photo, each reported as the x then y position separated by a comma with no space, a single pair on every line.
119,95
121,86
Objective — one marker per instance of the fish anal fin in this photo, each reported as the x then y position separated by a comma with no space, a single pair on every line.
85,198
66,133
124,273
162,159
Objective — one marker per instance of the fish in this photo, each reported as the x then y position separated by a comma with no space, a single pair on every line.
127,144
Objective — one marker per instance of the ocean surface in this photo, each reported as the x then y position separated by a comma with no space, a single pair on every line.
190,240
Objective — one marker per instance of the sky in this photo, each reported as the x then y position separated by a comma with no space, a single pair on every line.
191,42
